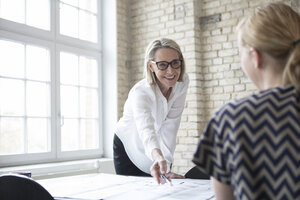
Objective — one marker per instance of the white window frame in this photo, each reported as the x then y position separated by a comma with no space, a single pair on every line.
105,48
80,154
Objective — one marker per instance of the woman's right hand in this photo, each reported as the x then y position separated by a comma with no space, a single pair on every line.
159,166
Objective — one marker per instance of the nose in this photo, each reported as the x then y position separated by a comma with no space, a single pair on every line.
170,68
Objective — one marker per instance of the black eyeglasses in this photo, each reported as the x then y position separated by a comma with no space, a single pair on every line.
163,65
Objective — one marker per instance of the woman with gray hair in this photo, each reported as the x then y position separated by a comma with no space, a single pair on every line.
145,137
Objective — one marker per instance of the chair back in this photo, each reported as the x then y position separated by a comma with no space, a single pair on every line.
20,187
196,173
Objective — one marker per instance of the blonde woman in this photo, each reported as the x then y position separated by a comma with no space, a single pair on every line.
145,137
251,146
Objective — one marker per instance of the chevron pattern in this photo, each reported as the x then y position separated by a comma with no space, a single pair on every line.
254,145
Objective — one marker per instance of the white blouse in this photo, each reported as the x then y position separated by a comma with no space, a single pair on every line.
150,121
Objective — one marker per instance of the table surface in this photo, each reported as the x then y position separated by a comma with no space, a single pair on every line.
111,187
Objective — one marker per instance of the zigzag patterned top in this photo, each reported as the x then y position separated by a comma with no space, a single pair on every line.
254,145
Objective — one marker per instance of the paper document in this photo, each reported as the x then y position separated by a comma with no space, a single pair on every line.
112,187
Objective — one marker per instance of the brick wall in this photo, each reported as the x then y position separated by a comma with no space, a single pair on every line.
204,29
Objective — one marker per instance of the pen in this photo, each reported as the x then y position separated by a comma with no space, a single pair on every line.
166,179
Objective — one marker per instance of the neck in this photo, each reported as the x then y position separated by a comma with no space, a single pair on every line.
270,79
271,73
166,91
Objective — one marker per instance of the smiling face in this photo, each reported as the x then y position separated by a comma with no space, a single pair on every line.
165,78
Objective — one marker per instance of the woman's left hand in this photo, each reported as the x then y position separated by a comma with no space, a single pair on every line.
172,175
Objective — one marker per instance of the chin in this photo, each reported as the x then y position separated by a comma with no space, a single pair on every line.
171,84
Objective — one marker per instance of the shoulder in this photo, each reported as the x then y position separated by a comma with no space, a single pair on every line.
186,79
140,86
142,89
254,104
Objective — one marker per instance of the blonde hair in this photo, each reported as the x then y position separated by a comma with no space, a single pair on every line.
150,52
274,29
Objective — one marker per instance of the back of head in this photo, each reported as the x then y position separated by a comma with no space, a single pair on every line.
275,30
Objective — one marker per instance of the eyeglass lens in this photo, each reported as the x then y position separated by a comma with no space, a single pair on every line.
163,65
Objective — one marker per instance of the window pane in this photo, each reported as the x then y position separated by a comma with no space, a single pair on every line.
87,26
12,97
71,2
89,134
88,72
13,10
90,5
79,20
68,21
37,63
11,136
38,13
79,92
69,101
68,68
12,59
38,135
69,135
38,99
88,103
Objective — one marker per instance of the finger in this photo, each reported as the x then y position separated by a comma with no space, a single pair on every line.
174,175
163,166
155,172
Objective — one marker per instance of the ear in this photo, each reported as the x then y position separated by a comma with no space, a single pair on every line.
256,57
150,66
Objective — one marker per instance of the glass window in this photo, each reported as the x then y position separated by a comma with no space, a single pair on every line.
78,19
49,84
24,101
79,102
34,13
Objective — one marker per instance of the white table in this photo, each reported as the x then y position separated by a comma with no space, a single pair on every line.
111,187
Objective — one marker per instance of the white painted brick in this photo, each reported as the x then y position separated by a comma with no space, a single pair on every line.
230,81
239,87
227,52
216,32
235,65
219,68
216,46
218,104
237,6
218,90
227,60
208,77
210,55
218,75
211,83
226,16
211,4
227,45
217,61
217,39
228,89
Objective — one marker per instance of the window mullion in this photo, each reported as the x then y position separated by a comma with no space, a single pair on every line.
25,139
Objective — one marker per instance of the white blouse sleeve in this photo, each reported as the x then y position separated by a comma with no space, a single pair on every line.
143,104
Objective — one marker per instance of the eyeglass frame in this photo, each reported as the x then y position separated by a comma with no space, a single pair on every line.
169,63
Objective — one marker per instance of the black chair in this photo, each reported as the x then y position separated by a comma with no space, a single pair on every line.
196,173
20,187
